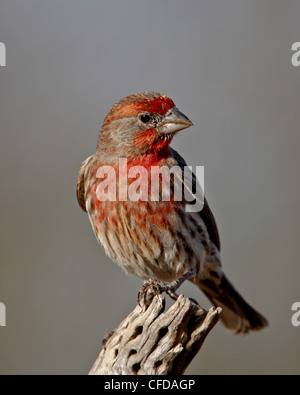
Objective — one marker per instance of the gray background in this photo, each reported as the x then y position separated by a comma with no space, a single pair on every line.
227,66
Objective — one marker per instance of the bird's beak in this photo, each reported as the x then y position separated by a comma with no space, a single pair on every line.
174,121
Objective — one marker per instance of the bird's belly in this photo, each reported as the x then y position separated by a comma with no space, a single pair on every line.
153,240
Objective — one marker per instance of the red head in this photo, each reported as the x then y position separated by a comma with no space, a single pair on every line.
138,124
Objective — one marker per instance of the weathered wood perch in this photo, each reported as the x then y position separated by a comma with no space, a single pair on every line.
151,341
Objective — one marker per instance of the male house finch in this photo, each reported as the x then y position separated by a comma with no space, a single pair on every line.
157,239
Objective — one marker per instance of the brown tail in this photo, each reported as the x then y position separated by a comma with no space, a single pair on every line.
238,316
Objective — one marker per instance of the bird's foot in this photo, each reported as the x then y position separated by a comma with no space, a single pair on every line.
152,287
174,285
148,290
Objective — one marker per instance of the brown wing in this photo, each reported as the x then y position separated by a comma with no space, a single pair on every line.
81,182
211,225
206,213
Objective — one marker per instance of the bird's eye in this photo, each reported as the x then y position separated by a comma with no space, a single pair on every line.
145,118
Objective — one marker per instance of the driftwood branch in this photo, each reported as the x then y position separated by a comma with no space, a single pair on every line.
152,341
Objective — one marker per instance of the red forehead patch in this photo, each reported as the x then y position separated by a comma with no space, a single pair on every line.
160,105
133,105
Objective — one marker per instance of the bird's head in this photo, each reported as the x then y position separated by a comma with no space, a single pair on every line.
140,123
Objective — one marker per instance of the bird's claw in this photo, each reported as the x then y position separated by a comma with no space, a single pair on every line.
151,287
147,292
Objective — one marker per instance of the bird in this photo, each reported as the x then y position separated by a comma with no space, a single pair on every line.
156,239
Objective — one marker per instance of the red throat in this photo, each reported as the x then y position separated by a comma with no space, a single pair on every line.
157,148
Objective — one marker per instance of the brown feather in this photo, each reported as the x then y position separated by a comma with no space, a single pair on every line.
80,190
206,213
